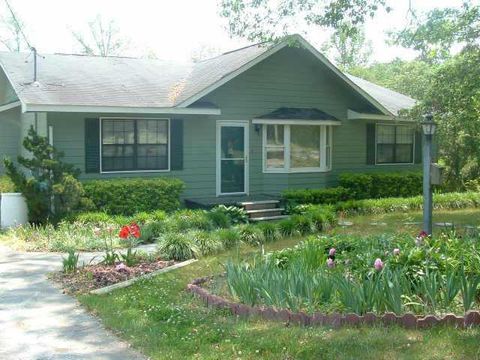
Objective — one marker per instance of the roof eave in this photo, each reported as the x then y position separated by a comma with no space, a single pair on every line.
118,109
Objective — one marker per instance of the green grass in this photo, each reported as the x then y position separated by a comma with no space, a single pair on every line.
163,321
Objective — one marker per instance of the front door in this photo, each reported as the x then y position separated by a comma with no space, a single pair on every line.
232,157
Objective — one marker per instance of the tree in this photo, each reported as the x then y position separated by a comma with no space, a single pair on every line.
348,47
436,33
103,38
412,78
52,189
264,20
13,29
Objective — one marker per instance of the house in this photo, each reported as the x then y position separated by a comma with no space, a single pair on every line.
252,121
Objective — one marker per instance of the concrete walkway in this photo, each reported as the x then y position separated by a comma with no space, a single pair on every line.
38,322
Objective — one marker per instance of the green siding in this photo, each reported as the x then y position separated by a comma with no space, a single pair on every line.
290,78
9,134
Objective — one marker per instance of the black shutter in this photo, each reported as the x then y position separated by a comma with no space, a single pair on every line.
176,144
418,147
371,143
92,145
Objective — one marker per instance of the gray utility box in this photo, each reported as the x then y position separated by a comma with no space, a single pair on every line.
436,172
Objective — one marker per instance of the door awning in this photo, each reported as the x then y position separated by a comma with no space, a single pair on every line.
297,116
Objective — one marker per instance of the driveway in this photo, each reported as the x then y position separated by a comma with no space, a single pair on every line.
38,322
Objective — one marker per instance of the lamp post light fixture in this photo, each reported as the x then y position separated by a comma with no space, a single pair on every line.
428,126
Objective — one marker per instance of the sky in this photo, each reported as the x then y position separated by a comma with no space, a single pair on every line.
176,29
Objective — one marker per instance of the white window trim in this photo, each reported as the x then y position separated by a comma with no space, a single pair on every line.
134,171
286,136
376,145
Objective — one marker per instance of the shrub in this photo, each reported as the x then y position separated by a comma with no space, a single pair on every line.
206,242
152,231
219,218
131,196
177,246
228,237
251,235
322,216
380,185
236,214
315,196
184,220
303,224
287,227
440,201
52,191
269,231
6,185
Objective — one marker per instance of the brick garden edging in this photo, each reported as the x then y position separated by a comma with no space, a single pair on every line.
409,320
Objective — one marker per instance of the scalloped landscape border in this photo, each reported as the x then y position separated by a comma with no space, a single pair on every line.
408,320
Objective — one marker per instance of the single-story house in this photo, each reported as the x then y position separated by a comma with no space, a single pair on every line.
252,121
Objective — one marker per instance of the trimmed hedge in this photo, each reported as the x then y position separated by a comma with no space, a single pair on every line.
316,196
358,187
382,185
130,196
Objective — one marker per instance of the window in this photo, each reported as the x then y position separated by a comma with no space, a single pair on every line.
297,148
135,144
394,144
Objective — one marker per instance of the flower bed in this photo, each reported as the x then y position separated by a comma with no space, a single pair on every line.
93,277
346,274
409,320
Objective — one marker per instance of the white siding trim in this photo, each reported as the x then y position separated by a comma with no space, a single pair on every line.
10,106
297,122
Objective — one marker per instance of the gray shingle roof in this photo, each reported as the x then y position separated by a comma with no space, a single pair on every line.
128,82
392,100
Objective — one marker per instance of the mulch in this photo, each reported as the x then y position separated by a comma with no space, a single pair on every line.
91,277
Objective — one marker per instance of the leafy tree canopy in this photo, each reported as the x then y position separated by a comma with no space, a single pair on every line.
439,31
264,20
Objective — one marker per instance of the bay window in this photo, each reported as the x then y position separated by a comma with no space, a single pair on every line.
296,148
134,144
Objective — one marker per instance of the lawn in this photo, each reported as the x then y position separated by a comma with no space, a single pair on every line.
162,320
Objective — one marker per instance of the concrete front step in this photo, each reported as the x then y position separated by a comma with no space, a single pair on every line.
260,205
270,218
264,212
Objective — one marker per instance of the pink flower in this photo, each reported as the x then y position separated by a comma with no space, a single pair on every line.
330,263
378,264
332,252
121,267
396,251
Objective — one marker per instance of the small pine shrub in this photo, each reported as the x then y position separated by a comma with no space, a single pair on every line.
177,246
206,242
269,230
6,185
251,235
228,237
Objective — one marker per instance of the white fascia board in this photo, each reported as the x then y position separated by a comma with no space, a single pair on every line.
297,122
10,106
119,109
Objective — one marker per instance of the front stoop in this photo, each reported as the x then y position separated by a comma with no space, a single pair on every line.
263,210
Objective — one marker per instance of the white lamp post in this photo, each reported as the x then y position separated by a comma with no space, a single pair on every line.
428,126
